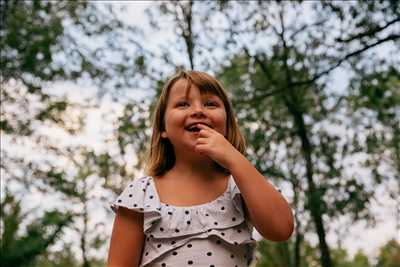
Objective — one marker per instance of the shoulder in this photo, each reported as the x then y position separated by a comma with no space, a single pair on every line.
137,183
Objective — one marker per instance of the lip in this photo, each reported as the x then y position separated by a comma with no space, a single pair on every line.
194,123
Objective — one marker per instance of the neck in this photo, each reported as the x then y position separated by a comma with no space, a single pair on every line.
201,167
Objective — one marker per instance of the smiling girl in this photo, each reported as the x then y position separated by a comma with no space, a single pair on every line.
201,197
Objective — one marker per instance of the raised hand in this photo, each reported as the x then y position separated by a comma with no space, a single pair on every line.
214,145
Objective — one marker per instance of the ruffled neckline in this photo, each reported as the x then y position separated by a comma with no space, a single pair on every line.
197,206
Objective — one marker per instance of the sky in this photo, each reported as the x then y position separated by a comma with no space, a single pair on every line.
369,239
359,237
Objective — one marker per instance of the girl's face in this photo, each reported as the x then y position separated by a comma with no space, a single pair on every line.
185,108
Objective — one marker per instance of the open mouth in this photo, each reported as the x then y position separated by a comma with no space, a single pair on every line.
193,127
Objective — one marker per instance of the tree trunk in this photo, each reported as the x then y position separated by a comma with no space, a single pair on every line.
186,28
313,198
86,262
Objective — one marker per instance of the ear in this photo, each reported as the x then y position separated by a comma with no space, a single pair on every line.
164,134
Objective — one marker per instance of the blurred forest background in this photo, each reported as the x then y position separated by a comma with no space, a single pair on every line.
315,85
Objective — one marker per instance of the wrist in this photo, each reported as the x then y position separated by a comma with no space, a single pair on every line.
234,160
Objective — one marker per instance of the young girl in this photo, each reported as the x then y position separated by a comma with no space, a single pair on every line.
201,198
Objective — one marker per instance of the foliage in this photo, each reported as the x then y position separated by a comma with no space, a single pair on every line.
389,255
19,249
278,255
277,59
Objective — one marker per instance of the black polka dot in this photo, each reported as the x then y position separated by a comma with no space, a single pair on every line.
144,190
163,264
119,200
190,262
130,195
151,197
189,245
141,209
177,230
236,243
151,236
130,185
174,253
239,231
161,229
233,219
207,214
159,245
218,242
209,253
135,205
215,223
188,222
148,183
173,242
147,206
222,208
186,212
222,233
232,256
212,265
146,254
170,213
209,230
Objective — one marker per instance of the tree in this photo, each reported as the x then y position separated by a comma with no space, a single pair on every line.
19,249
289,79
43,43
282,92
389,255
271,254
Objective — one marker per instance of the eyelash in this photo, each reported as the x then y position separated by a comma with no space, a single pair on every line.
180,104
211,102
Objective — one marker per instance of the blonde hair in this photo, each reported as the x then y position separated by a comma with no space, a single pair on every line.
161,156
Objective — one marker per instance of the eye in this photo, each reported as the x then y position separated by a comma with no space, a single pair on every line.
182,104
210,103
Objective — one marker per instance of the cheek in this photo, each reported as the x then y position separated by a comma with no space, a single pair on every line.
221,121
172,119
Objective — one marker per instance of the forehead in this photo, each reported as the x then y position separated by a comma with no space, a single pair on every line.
182,88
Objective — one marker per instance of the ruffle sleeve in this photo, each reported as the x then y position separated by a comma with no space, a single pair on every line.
239,203
140,197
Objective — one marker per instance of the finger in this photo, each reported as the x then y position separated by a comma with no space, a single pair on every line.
203,126
203,134
201,148
205,131
201,140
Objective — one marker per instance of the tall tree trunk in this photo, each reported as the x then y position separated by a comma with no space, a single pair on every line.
313,197
296,252
298,235
186,28
84,233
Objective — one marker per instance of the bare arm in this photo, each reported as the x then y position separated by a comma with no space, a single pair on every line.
127,239
267,209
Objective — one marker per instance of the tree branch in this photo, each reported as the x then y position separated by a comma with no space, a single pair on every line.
391,37
368,32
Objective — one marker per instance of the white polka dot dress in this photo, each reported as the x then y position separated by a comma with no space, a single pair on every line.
215,234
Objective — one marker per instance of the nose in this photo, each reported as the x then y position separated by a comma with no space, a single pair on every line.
197,110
